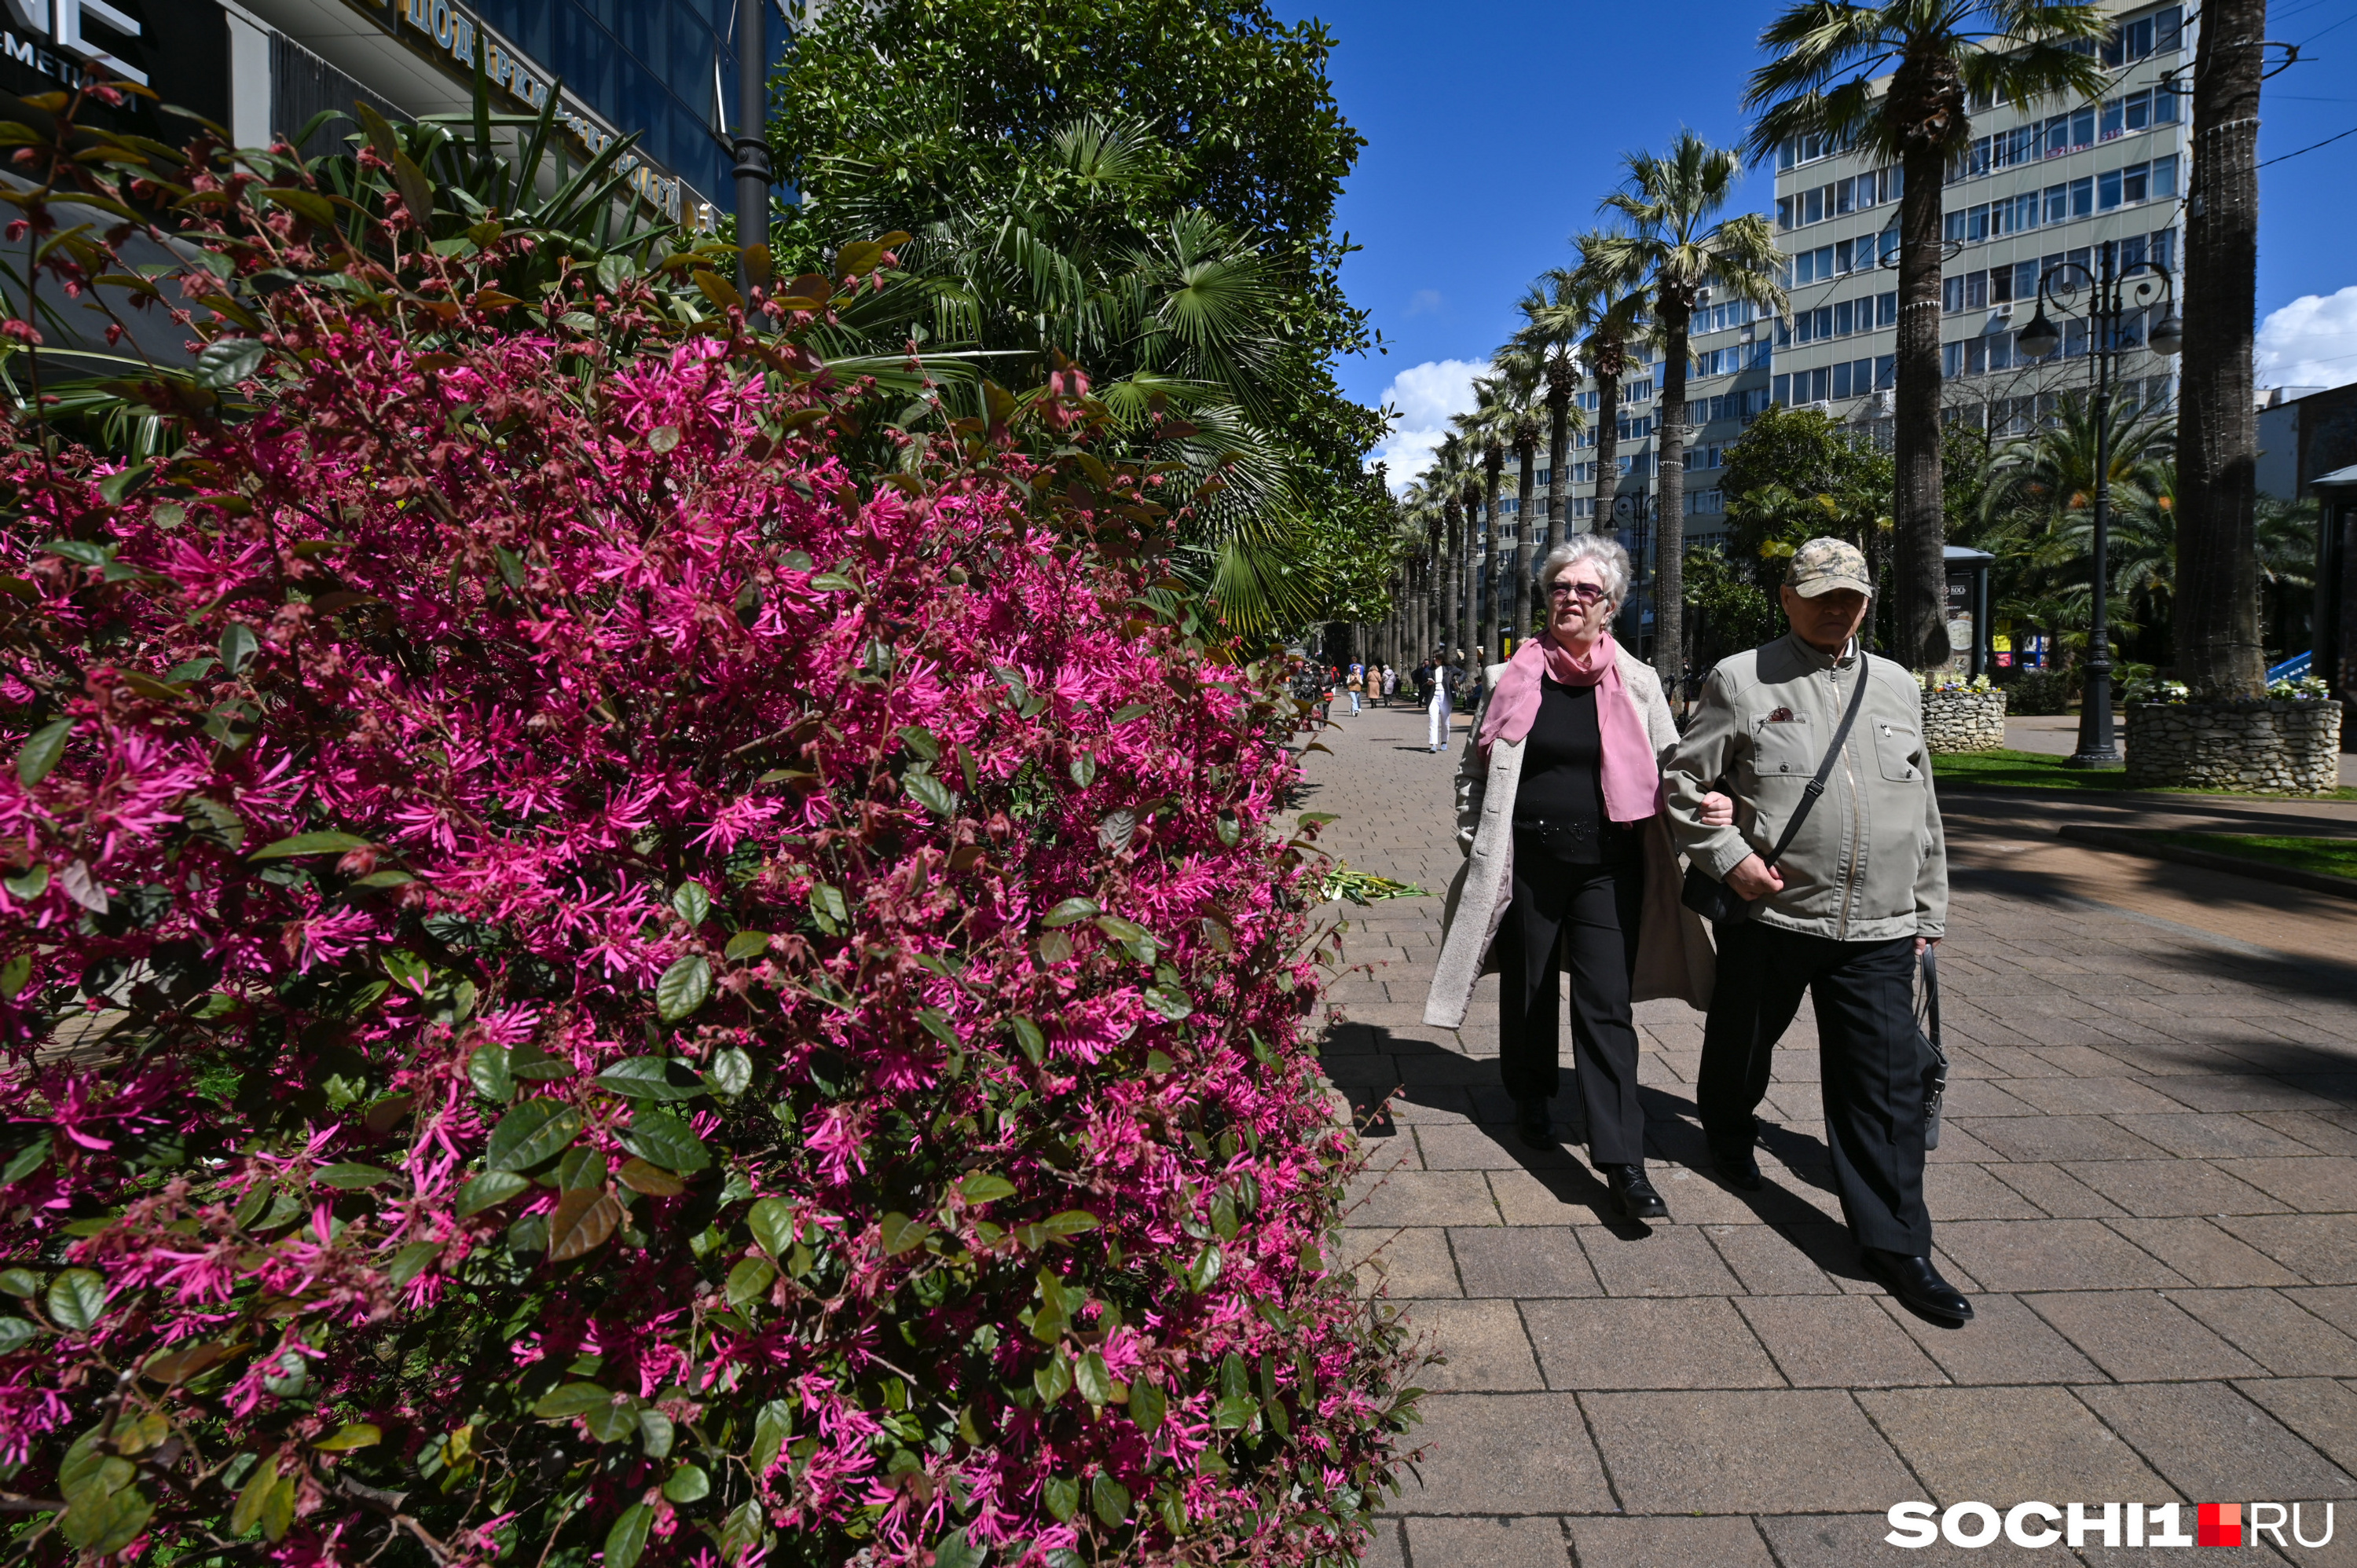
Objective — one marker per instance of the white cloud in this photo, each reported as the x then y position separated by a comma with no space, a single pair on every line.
1423,397
2311,342
1422,300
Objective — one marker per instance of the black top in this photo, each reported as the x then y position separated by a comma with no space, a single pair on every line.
1562,770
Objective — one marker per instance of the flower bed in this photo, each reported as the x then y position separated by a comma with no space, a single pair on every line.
1962,716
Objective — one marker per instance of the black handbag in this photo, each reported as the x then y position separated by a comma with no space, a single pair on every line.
1935,1073
1713,899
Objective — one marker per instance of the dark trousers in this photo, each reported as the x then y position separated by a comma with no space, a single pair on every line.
1872,1067
1588,915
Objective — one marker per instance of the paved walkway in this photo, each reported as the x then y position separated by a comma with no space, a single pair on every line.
2148,1183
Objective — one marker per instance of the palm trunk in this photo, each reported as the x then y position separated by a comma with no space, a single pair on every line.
1452,577
1469,612
1525,492
1494,460
1921,587
2217,650
1608,451
1670,521
1558,519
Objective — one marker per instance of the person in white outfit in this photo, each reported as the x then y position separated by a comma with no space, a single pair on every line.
1438,712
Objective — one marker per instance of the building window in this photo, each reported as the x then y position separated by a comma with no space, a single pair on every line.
2107,189
1705,502
2082,197
1886,309
1886,371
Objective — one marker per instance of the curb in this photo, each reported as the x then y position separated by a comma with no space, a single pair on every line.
2209,859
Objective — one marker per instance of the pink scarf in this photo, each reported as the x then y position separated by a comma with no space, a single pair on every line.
1633,780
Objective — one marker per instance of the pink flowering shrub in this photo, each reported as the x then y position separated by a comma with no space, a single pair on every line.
588,977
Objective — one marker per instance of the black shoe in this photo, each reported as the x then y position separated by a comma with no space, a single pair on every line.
1917,1284
1740,1170
1532,1120
1634,1194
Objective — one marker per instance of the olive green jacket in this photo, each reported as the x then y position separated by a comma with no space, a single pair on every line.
1870,862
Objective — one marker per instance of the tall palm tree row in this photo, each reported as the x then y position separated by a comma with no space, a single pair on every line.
1614,336
1673,248
1544,351
1824,78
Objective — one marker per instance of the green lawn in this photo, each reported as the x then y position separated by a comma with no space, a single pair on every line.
2333,857
2036,770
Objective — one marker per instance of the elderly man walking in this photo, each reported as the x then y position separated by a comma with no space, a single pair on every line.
1837,853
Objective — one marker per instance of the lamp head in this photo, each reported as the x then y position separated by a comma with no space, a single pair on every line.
2167,335
2041,338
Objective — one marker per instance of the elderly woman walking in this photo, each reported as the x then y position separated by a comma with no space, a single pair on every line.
1568,864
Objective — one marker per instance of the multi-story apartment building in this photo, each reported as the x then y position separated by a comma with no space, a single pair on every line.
2073,181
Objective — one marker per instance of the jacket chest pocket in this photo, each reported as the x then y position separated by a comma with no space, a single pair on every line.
1894,748
1787,751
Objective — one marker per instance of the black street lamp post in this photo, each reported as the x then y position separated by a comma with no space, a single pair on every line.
2113,294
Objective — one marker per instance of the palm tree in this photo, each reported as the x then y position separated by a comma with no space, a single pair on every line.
1615,333
1672,252
2218,648
1940,57
1523,431
1546,352
1481,594
1483,427
1449,472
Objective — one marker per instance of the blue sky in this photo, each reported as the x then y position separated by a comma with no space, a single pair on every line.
1493,127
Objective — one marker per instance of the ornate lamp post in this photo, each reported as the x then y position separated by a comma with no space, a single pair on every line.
2112,295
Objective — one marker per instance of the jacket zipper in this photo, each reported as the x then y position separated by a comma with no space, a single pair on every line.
1849,819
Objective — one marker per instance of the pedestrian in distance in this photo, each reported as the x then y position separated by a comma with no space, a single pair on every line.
1357,683
1436,708
1838,856
1570,865
1390,684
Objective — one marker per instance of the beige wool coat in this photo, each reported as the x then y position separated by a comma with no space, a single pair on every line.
1673,947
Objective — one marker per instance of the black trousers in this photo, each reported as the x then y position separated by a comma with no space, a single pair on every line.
1872,1067
1588,914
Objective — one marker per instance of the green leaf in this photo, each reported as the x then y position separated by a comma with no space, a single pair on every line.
27,1160
626,1542
531,1133
771,1220
1147,1406
1061,1495
663,1139
730,1072
653,1181
689,1484
1236,1412
26,886
1136,939
77,1299
1204,1271
353,1434
226,361
488,1070
751,1279
937,1024
902,1234
42,750
410,1260
692,903
1170,1003
1084,770
683,987
351,1176
101,1522
745,945
1071,1222
827,906
1110,1499
651,1078
1093,1379
953,1551
983,1187
490,1187
15,1334
569,1399
656,1432
1034,1043
238,647
21,1283
931,793
1071,911
770,1430
920,740
1129,711
832,582
613,1422
258,1487
1054,1380
310,844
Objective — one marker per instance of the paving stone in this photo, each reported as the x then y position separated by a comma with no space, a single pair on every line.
2199,1136
1487,1452
1465,1146
1699,1343
2337,1304
1961,1191
2275,1331
2059,1138
2313,1184
2330,1134
2319,1410
2320,1248
2053,1254
2210,1442
1855,1540
1975,1097
1669,1259
2001,1445
1836,1342
1568,1194
1385,1550
2203,1253
1729,1452
1409,1263
1486,1349
1523,1260
2239,1092
1727,1542
2004,1343
1524,1542
2140,1335
2153,1188
1423,1198
1768,1261
2055,1191
2092,1096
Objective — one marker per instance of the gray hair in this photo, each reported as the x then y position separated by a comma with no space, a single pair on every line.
1609,558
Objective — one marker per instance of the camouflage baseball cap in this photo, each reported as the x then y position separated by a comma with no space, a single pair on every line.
1826,565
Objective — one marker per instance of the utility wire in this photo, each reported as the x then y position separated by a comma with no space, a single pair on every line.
2309,148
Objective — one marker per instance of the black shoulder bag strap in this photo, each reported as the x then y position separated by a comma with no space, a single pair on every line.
1816,786
1935,1072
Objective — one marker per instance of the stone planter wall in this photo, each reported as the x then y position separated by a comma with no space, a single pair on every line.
1964,721
2290,749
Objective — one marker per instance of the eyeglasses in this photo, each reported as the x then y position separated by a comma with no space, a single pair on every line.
1585,593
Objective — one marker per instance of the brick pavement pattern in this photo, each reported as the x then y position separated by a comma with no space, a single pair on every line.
2148,1184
